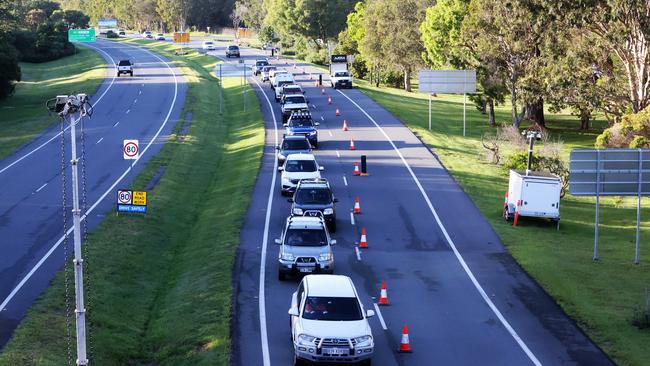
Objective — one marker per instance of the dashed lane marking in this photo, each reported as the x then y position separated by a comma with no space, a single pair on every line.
381,318
98,141
41,187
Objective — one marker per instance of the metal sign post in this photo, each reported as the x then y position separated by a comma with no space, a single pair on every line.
429,111
220,90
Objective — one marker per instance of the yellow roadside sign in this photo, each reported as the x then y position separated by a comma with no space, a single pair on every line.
140,198
181,37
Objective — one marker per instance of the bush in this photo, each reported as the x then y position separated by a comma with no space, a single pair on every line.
633,131
49,42
641,314
9,66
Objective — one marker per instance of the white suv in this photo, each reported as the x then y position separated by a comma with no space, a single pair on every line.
297,167
328,322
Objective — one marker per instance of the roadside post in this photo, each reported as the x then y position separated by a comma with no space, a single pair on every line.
611,172
220,90
72,109
448,82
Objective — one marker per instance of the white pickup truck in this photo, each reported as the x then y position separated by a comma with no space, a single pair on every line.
124,67
339,75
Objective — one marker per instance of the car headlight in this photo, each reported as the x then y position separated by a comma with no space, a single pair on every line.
297,211
281,156
325,257
328,211
363,341
290,133
286,180
306,340
286,256
312,133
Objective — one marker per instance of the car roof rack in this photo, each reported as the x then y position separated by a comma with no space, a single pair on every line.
301,114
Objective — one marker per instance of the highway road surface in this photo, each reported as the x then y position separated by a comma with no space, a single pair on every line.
450,279
143,107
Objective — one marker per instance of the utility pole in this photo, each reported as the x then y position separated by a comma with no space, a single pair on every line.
69,107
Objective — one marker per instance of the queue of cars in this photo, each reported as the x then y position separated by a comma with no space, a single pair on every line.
327,320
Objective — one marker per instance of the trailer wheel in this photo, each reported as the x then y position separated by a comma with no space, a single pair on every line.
506,214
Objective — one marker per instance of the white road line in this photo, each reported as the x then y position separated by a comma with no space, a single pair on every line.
127,111
266,359
41,187
338,154
322,118
345,180
356,249
110,189
95,103
459,257
352,219
135,101
116,123
381,318
139,92
313,106
330,132
98,141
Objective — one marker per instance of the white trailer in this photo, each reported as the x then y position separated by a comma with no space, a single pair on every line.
536,194
339,74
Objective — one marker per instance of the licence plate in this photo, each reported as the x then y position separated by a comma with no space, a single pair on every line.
306,269
337,351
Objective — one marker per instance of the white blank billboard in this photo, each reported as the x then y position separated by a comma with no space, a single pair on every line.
447,81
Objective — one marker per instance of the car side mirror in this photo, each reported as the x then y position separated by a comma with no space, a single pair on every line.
316,123
285,125
280,168
321,168
277,147
293,312
278,241
335,200
370,313
290,200
332,241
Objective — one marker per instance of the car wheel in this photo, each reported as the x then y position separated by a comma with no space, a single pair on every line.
281,276
367,362
333,226
297,361
316,145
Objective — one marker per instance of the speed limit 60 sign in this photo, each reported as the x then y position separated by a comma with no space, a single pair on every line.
131,149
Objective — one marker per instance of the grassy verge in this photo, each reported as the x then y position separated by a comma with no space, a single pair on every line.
23,117
160,285
600,296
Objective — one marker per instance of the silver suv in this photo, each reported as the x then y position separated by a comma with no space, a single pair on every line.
305,246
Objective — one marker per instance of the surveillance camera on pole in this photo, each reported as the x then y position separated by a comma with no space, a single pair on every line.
72,108
531,136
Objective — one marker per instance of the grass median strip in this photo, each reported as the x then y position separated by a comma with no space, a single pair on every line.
600,296
23,114
160,285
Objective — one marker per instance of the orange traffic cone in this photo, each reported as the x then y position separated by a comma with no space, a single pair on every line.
329,100
294,65
338,113
405,344
356,168
316,84
310,77
345,125
383,295
322,90
363,243
357,206
514,223
352,145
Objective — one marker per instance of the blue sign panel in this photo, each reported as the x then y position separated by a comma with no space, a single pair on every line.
107,23
132,208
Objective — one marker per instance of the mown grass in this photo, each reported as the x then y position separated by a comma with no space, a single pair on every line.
601,295
23,117
160,285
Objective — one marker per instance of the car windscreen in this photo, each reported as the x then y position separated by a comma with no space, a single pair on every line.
294,99
291,90
341,74
284,82
295,145
332,308
301,123
261,63
125,63
306,166
269,68
233,48
313,196
208,43
305,237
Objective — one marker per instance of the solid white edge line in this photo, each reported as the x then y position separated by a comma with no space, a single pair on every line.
56,245
381,318
352,219
59,133
267,221
345,180
41,187
468,271
356,249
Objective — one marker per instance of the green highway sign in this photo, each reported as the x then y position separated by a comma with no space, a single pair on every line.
81,35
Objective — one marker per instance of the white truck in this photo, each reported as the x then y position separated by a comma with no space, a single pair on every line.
339,75
124,67
536,194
